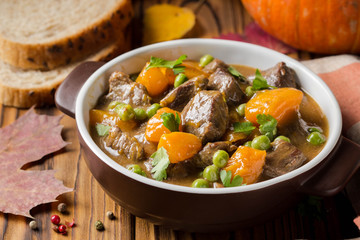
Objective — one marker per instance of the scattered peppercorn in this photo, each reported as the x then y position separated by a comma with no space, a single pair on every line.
55,228
55,219
62,229
62,207
33,225
110,215
99,225
70,224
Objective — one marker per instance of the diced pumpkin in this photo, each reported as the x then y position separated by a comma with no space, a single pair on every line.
192,69
155,127
156,79
180,145
169,74
112,119
280,103
247,162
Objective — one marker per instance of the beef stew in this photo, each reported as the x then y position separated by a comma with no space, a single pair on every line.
222,126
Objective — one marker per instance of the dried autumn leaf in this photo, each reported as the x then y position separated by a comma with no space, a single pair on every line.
254,34
28,139
163,22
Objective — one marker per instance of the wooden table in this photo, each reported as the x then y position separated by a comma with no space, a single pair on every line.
88,202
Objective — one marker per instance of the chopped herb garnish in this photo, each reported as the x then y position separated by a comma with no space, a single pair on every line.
102,130
170,121
244,127
225,177
267,125
260,82
178,69
236,73
160,163
174,65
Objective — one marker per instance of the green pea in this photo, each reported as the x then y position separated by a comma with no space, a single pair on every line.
180,79
241,109
282,138
248,144
152,109
249,91
200,183
125,112
315,129
140,114
136,169
270,135
220,158
114,104
205,60
316,138
261,142
211,173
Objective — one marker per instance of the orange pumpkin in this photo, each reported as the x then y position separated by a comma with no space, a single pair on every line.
322,26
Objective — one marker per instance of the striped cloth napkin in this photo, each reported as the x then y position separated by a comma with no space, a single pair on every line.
342,74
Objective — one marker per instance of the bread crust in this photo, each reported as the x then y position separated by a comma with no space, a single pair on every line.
43,94
70,49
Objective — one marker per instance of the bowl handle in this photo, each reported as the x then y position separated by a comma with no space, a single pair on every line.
65,96
334,174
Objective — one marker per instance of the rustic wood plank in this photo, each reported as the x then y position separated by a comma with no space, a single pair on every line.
163,233
144,230
213,236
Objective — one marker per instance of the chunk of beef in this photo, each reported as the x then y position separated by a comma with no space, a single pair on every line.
124,144
284,158
213,65
206,116
279,76
180,170
123,89
297,131
180,96
200,160
204,157
225,82
139,135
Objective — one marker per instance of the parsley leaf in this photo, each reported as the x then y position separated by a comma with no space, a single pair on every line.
102,130
170,121
159,62
225,177
244,127
267,125
236,73
260,82
160,163
178,69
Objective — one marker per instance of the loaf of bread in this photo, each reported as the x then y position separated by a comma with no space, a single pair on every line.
46,34
25,88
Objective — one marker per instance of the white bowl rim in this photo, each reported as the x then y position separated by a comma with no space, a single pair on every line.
331,142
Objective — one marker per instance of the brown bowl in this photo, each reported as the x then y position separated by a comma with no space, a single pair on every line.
194,209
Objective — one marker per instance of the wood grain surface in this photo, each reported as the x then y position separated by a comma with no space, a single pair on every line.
329,218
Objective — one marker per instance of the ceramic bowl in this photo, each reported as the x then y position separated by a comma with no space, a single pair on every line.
194,209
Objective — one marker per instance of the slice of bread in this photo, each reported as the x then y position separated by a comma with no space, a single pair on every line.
44,34
25,88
